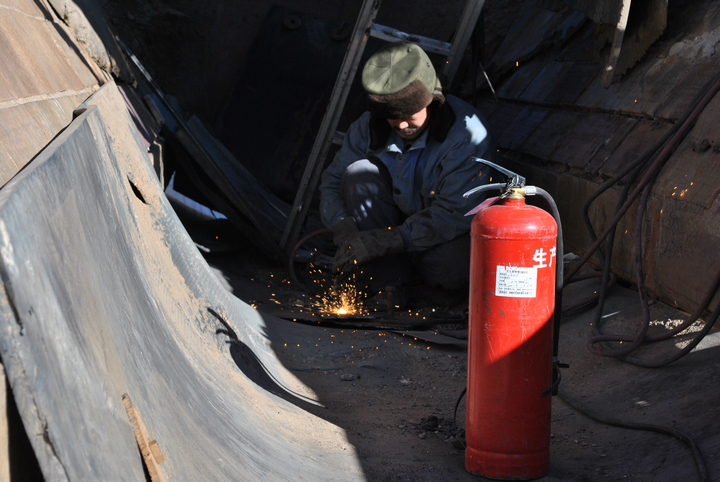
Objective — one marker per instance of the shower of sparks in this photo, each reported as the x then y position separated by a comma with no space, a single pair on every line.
340,301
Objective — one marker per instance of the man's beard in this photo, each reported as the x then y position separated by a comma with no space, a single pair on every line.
408,131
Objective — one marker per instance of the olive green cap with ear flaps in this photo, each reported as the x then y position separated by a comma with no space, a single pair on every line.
400,81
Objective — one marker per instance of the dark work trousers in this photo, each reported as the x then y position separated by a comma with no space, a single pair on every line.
366,188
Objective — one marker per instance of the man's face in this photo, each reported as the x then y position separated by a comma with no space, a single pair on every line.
411,127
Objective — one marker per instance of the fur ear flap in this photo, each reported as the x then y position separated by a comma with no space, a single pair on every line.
442,119
379,131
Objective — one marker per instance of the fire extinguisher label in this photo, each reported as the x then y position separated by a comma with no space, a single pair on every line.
516,282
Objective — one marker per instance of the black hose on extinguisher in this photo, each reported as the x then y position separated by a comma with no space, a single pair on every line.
559,283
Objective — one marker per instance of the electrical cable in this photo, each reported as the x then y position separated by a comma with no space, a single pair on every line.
675,135
697,455
293,252
657,163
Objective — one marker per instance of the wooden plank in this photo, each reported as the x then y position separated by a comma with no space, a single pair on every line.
521,127
691,174
545,81
574,81
487,106
503,116
611,144
648,86
597,97
151,454
689,85
583,140
550,133
513,87
609,70
638,140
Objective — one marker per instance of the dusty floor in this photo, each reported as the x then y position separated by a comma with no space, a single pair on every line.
394,393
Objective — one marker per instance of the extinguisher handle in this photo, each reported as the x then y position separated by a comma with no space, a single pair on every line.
485,187
512,175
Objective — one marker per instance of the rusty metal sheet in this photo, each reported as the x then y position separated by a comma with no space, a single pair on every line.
87,71
550,133
105,294
583,140
521,127
690,83
545,81
513,87
691,174
49,117
640,138
29,8
611,144
573,82
23,81
38,54
22,138
6,90
69,104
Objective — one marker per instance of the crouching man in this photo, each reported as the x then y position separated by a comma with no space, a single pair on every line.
393,195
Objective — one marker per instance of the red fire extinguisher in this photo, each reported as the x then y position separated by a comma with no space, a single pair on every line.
510,342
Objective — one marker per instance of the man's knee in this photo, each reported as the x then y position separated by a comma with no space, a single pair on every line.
448,264
366,188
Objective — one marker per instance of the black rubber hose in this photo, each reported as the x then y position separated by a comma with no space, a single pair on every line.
291,262
559,253
697,455
658,162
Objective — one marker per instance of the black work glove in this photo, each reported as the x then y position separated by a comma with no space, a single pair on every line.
343,230
365,246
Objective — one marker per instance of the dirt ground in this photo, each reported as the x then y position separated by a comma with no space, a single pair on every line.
393,391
